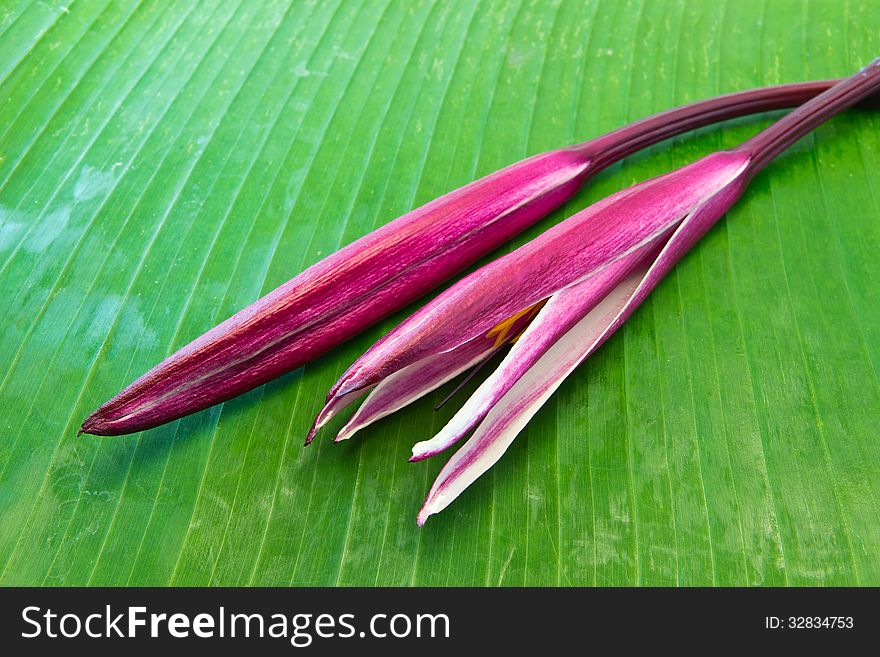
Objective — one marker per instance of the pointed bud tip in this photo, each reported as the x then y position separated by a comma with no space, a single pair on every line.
313,430
94,426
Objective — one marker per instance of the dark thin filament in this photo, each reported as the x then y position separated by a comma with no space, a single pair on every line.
476,368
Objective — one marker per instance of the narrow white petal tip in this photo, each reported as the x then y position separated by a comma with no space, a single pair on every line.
428,448
424,450
423,516
345,433
434,504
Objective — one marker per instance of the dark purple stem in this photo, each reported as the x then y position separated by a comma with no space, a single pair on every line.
617,144
769,143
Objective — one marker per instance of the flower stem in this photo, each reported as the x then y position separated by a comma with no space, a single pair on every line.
769,143
617,144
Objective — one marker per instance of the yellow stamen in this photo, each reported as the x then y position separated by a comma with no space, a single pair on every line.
501,330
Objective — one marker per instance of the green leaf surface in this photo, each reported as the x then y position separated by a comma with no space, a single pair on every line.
163,164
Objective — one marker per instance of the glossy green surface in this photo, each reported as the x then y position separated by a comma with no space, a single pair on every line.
163,164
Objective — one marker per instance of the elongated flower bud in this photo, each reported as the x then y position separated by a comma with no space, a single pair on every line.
372,277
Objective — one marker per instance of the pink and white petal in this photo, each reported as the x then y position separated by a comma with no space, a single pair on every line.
528,394
510,415
415,381
412,382
561,313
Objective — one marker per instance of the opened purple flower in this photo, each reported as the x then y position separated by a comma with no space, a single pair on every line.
562,295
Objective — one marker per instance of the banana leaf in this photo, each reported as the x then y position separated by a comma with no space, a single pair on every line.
163,164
